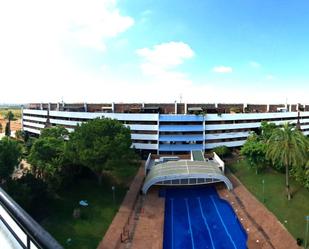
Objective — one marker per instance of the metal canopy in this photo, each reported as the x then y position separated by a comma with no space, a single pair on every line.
175,172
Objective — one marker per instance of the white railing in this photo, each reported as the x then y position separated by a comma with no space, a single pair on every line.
219,161
147,163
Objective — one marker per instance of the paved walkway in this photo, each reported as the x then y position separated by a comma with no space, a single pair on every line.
149,229
118,230
263,229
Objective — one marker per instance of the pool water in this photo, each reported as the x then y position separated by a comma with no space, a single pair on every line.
197,218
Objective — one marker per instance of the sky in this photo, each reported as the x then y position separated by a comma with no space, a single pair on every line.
228,51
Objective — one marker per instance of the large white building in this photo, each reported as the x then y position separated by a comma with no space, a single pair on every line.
170,128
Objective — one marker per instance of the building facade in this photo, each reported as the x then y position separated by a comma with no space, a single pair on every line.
171,128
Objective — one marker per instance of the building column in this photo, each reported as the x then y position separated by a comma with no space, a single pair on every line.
245,105
204,134
186,108
85,107
22,117
158,134
267,107
113,107
175,107
41,106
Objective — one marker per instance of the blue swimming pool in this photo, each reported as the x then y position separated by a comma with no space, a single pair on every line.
197,218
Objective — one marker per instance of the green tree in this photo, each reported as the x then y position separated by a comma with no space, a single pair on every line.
222,151
306,173
29,192
47,156
10,155
99,143
301,174
19,134
9,116
58,132
29,141
289,147
255,152
8,129
266,130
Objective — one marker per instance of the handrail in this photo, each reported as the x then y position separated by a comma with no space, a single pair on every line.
35,233
147,163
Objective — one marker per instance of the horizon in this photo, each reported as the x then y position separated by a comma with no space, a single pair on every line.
154,51
4,105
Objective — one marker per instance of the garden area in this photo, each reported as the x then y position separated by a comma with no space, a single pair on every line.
273,165
87,230
70,183
291,213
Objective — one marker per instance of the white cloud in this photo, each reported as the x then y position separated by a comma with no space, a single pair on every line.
254,64
161,61
97,22
36,38
167,55
41,24
222,69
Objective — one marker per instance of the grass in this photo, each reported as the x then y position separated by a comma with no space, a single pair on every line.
290,213
88,230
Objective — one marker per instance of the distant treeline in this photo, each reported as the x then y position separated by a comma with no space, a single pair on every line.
10,106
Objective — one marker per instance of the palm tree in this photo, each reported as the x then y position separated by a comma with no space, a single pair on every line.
287,146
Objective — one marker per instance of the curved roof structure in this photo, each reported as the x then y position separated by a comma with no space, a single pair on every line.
185,172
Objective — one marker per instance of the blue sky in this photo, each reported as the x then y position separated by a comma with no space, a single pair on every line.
197,51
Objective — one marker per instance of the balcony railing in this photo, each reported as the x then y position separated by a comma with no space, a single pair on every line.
21,230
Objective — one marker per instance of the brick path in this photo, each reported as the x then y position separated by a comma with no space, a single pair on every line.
112,238
263,229
149,230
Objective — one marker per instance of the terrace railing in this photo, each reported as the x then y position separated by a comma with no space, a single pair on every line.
22,231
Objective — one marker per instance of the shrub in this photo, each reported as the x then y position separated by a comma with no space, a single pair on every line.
222,151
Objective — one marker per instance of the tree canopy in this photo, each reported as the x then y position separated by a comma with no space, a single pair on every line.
222,151
9,116
58,132
255,152
47,155
266,130
101,144
10,155
8,129
289,147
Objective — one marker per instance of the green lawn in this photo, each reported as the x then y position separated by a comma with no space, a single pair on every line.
290,213
87,231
